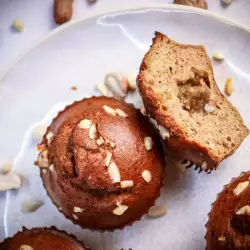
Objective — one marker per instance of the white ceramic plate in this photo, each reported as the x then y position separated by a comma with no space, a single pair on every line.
80,54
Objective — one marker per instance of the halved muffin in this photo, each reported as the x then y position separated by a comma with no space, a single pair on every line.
182,99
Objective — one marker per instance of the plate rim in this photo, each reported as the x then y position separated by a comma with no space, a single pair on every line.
118,11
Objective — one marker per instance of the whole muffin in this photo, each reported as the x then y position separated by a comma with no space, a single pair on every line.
101,163
228,227
41,239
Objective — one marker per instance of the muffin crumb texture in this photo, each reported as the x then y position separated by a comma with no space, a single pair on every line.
184,103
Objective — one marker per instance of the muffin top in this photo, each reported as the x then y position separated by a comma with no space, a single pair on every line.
229,220
41,239
102,163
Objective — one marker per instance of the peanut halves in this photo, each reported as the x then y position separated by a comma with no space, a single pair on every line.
63,10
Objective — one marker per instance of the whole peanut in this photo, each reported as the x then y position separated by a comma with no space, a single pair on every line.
63,10
194,3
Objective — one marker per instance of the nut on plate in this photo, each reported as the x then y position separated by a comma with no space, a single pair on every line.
29,206
218,56
227,2
63,10
157,211
18,25
10,181
194,3
229,86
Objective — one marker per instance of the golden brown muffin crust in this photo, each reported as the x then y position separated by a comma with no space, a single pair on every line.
228,227
42,239
81,184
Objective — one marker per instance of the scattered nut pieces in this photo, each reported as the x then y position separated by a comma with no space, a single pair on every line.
120,209
43,161
108,159
227,1
63,10
52,168
229,86
209,108
157,211
30,206
244,210
38,132
163,131
44,171
143,111
132,82
92,132
218,56
111,143
91,1
75,217
103,89
194,3
5,168
77,210
74,88
124,84
114,173
116,84
109,110
121,113
204,165
49,137
154,122
85,124
100,141
10,181
146,175
120,81
25,247
126,184
221,238
148,142
18,25
241,187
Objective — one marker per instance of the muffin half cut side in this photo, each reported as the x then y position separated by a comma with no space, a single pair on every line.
181,97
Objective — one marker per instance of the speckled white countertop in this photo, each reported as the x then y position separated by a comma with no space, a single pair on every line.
38,19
